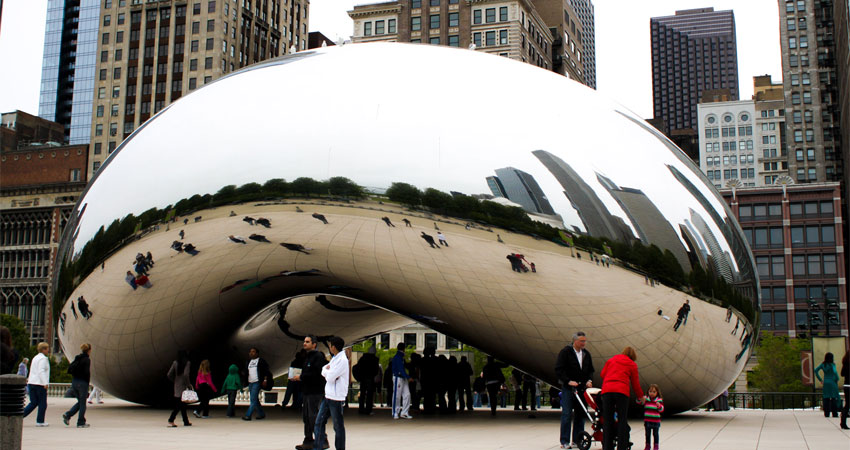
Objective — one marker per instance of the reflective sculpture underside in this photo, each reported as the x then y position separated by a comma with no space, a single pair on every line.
604,206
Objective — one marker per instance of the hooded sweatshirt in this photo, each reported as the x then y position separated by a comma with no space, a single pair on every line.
618,373
232,382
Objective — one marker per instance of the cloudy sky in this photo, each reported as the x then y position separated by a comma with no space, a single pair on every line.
623,67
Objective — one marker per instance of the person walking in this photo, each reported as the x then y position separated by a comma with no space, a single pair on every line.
320,218
428,373
206,390
430,240
130,279
493,379
231,386
96,395
37,384
401,388
653,406
574,369
312,388
464,371
682,315
618,374
845,372
442,238
516,381
388,221
80,371
830,384
179,375
367,369
259,377
336,376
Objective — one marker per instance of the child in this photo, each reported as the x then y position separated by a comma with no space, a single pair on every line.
206,390
232,385
653,406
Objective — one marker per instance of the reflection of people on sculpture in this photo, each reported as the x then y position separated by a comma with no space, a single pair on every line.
237,283
185,222
74,310
198,219
737,324
130,279
387,221
515,264
320,217
149,259
430,240
296,247
258,237
182,234
177,245
406,222
499,238
232,213
143,281
745,345
682,315
248,219
436,227
237,239
264,222
84,307
728,314
297,209
190,249
442,238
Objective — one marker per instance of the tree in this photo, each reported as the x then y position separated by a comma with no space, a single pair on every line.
276,186
779,366
406,194
20,336
436,200
344,187
305,186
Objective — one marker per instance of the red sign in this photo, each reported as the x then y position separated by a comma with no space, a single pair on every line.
807,369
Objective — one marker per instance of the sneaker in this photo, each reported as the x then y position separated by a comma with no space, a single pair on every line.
65,419
406,416
395,417
246,418
83,425
196,414
91,402
43,424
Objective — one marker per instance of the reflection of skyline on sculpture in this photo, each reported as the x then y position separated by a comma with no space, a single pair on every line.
623,204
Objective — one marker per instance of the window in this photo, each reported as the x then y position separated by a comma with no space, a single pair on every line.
99,110
194,46
208,62
95,165
97,148
490,15
196,27
102,74
114,110
379,27
410,340
391,26
98,130
116,73
452,343
209,44
101,92
193,65
490,38
211,25
434,41
434,21
211,6
503,14
476,39
105,39
116,92
431,340
193,83
503,37
454,19
434,2
415,23
415,4
454,41
476,17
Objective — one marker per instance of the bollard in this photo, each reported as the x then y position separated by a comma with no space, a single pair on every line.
12,390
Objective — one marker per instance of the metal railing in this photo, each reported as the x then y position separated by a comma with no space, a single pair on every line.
776,400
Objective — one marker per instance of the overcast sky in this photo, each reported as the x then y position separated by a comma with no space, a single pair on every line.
623,69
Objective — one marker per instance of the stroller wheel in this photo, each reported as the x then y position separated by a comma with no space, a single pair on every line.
585,442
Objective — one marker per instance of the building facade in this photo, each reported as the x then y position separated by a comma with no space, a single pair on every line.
770,131
795,235
586,15
517,29
42,179
807,35
727,144
68,66
842,57
692,51
152,53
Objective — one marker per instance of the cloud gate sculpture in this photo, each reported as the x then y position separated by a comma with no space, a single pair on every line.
336,149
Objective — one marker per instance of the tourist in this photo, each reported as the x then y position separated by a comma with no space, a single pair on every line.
178,373
401,388
464,371
830,384
428,372
478,391
845,372
22,367
442,238
387,221
653,406
130,279
451,379
206,390
9,355
516,381
430,240
493,379
574,369
336,390
320,217
264,222
529,391
96,395
231,386
682,315
442,383
293,387
237,239
406,223
80,370
37,384
312,388
619,374
259,377
84,307
258,238
413,382
367,369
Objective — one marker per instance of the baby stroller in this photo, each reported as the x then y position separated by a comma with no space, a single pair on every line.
592,396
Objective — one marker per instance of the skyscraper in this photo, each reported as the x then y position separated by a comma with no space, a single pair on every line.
68,66
692,51
586,15
521,188
807,37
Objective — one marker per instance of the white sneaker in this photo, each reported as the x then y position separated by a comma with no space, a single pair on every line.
45,424
407,417
395,417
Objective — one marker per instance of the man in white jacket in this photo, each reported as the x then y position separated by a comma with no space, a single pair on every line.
336,375
37,383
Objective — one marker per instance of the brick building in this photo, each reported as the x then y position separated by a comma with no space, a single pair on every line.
41,181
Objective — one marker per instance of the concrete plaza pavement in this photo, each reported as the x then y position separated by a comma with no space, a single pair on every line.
118,424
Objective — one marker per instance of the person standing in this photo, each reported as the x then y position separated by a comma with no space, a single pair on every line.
428,373
336,376
232,385
312,388
574,368
830,384
259,377
845,372
618,375
529,391
293,388
206,390
493,379
80,371
22,367
516,381
179,375
37,384
401,388
464,371
653,406
368,369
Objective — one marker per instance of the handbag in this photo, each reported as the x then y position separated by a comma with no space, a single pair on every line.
189,396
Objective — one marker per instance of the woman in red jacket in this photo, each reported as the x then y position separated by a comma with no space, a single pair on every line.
618,375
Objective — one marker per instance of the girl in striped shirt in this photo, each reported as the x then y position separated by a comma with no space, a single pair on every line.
653,406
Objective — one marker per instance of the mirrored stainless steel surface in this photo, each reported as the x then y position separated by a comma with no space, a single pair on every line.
621,227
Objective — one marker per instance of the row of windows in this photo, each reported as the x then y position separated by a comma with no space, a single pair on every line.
801,236
728,131
379,27
490,38
727,118
802,266
414,4
776,165
729,174
729,146
489,15
813,209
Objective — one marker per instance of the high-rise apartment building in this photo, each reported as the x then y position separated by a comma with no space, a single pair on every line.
807,35
151,53
727,144
511,28
842,58
68,66
770,131
692,51
587,17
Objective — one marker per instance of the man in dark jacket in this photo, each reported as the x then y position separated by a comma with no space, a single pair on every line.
366,370
574,368
312,388
259,377
80,371
464,371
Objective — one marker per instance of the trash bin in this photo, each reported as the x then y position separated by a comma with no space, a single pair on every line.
12,392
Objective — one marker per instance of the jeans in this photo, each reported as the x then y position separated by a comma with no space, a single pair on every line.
38,398
476,399
493,396
572,417
334,409
81,388
367,397
652,429
254,389
293,391
309,411
614,402
231,402
181,407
